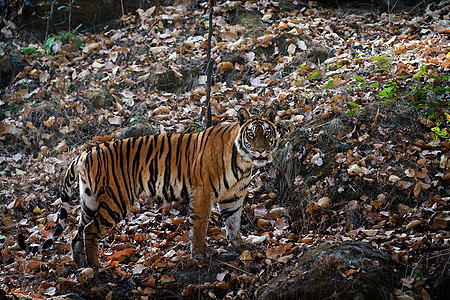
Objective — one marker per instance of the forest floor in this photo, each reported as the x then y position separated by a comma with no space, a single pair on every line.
363,111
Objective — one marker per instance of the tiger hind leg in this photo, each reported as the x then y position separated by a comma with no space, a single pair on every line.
88,213
78,249
106,217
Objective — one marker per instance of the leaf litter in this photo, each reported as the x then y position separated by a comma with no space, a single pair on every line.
369,169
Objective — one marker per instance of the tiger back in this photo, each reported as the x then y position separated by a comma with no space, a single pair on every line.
206,167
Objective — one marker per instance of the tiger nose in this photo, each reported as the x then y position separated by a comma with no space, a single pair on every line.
260,150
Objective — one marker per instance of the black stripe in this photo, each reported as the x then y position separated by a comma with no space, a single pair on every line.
161,148
108,189
178,155
216,194
184,192
226,213
152,146
113,214
58,229
168,167
234,167
88,192
230,200
102,164
136,165
129,184
63,213
87,210
188,157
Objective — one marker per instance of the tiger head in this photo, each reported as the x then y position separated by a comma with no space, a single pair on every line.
257,137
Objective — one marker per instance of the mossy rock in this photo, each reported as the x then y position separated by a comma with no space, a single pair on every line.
174,83
99,99
252,21
137,130
354,270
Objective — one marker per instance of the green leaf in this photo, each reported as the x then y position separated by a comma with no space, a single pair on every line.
329,84
417,273
351,112
29,50
49,44
67,35
422,71
354,104
78,43
314,75
386,91
358,78
376,84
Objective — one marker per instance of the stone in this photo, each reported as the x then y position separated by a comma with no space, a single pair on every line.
353,270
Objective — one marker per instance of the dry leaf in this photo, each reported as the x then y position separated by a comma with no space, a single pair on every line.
324,202
61,147
413,224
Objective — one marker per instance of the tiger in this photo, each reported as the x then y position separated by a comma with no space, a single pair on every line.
212,166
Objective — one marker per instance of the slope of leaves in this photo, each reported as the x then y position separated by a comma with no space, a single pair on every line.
358,163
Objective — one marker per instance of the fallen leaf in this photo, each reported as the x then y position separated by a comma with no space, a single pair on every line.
35,266
413,224
61,147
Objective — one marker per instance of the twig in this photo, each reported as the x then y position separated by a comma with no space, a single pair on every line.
320,125
376,116
231,266
209,67
420,3
50,20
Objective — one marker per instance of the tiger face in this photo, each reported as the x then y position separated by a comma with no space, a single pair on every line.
257,137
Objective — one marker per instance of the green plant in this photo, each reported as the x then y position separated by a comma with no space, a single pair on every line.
389,92
352,111
384,60
50,41
440,128
138,119
431,94
360,80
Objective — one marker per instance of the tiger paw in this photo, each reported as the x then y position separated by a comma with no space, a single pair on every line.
202,253
242,246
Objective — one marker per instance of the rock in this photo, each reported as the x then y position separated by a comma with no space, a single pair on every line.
227,256
99,99
137,130
252,21
354,270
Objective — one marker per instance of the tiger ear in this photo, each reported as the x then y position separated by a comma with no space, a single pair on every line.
270,114
243,116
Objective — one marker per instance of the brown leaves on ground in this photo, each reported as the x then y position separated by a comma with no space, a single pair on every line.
377,176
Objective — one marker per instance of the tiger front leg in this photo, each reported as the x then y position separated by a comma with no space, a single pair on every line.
231,210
